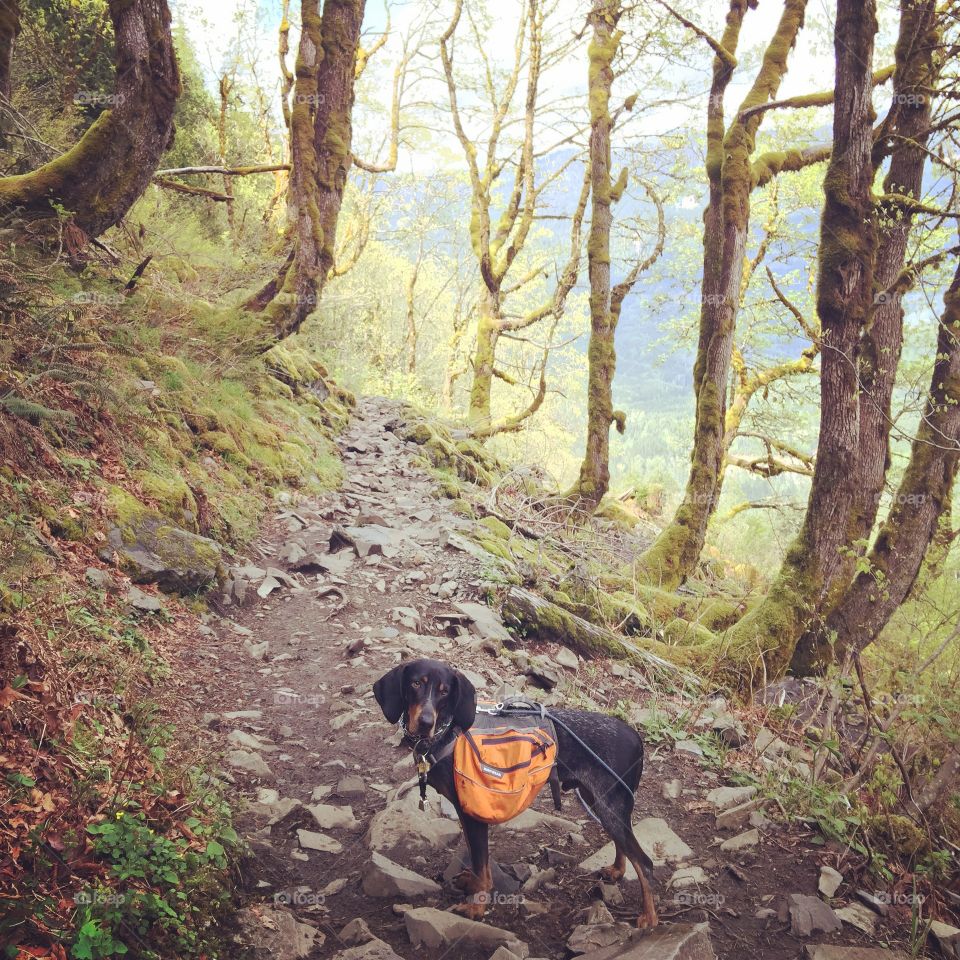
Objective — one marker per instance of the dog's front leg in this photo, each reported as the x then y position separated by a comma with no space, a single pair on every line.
478,885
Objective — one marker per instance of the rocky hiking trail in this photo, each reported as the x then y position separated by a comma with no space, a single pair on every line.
342,863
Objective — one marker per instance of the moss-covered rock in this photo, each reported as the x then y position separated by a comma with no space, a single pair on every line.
497,527
151,549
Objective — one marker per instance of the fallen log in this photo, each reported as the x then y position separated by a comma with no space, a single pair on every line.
533,616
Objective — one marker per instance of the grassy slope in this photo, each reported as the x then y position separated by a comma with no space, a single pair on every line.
108,399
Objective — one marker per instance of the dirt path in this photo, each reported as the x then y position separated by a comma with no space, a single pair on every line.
285,681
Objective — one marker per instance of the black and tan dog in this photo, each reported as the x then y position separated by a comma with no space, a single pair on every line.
433,702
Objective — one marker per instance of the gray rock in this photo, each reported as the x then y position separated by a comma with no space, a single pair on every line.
567,659
873,902
658,841
270,932
738,816
857,915
438,929
742,841
829,881
374,949
688,748
543,673
768,743
680,941
672,789
723,798
143,601
484,622
947,938
356,932
687,877
824,951
251,762
330,817
809,915
351,787
402,824
311,840
586,938
100,580
152,549
257,650
249,741
384,878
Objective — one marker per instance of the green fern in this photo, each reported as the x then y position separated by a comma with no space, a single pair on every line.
28,410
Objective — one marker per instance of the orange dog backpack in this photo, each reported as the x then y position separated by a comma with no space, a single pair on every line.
502,761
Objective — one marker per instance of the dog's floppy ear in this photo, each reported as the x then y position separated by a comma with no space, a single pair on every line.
465,705
389,693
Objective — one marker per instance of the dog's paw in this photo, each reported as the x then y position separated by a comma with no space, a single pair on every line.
645,922
612,874
472,911
465,880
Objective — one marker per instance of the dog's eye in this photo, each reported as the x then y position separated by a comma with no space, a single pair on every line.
415,684
444,689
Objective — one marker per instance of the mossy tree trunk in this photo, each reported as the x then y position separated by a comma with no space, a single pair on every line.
9,28
911,528
907,126
732,174
107,170
766,637
321,132
605,303
594,476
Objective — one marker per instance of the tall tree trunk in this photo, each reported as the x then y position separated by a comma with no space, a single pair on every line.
9,28
674,554
906,535
484,355
321,132
844,297
107,170
595,470
917,69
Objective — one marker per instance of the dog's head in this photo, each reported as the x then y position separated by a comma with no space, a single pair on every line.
428,693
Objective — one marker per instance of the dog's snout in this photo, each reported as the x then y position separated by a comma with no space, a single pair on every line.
427,720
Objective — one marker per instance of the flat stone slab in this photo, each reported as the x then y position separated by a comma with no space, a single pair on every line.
311,840
440,929
826,951
809,915
384,878
680,941
657,841
402,824
723,798
331,817
742,841
250,762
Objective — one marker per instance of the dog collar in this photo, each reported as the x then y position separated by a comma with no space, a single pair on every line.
424,755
